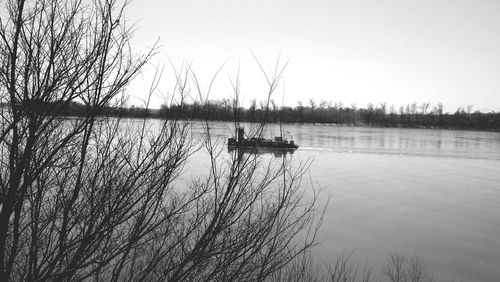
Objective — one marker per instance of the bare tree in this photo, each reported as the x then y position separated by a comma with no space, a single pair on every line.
383,107
95,197
312,104
348,269
323,104
370,107
274,108
424,107
469,110
440,109
53,55
399,269
252,110
300,108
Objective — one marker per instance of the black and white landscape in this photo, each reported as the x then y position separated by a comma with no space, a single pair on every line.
222,140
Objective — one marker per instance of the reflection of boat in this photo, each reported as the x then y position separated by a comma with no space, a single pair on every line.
240,142
262,150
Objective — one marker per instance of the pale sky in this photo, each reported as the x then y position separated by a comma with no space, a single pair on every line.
361,51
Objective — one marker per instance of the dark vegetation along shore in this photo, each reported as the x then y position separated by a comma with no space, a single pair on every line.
409,116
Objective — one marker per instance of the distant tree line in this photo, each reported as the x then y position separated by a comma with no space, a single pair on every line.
78,109
412,115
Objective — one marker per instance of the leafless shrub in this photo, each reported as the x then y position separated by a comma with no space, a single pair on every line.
347,269
399,269
302,268
305,268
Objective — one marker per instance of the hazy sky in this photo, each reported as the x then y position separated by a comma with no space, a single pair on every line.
361,51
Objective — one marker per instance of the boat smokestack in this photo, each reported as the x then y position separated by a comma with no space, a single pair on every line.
240,135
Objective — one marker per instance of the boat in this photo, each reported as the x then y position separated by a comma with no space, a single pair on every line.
240,142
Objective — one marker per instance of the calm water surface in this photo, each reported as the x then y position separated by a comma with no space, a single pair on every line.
431,193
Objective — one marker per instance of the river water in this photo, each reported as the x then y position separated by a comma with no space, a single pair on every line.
430,193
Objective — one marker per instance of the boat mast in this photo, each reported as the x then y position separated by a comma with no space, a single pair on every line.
236,102
281,110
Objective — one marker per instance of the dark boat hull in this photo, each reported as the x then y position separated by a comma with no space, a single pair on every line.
278,152
268,144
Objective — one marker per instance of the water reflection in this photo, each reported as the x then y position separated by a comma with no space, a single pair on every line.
399,141
276,152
